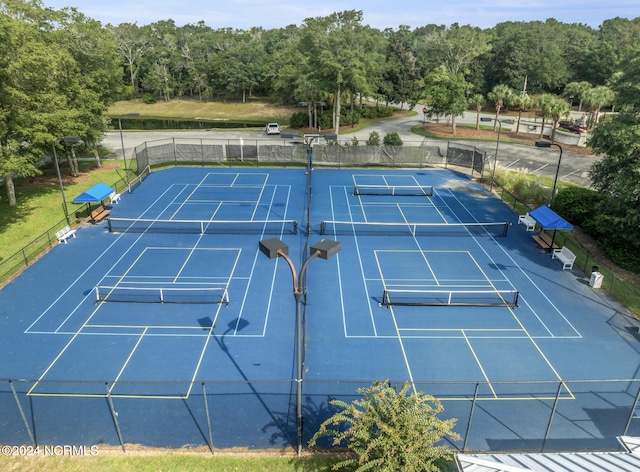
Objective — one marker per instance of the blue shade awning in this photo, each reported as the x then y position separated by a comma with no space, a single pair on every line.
97,193
548,219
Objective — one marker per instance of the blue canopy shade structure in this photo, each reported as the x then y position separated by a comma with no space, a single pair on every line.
97,193
548,219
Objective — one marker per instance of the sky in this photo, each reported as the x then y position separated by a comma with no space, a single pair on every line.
244,14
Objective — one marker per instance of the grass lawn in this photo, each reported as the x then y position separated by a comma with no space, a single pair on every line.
254,110
39,202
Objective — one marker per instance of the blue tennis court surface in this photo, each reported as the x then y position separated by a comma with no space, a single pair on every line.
172,314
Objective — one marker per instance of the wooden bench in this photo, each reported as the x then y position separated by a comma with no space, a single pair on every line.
528,221
114,197
99,214
544,240
566,257
65,233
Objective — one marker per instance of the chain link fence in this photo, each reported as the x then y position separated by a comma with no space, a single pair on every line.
186,151
536,416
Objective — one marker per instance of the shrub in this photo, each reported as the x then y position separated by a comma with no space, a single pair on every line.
392,139
299,119
149,98
389,429
374,139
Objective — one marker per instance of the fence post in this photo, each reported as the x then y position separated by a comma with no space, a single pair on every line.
206,409
473,407
24,418
114,416
553,412
631,413
175,154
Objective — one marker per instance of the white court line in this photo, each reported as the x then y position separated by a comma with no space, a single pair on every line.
77,279
484,374
358,252
253,267
126,362
540,291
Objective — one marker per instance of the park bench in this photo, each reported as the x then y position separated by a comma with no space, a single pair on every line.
65,233
528,221
544,240
99,214
114,197
566,257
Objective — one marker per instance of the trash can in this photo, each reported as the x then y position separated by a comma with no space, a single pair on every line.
596,279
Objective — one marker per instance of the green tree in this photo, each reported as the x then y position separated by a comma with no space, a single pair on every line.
446,94
523,101
132,45
401,75
335,51
500,95
455,48
52,84
618,177
477,101
597,98
578,90
389,429
553,108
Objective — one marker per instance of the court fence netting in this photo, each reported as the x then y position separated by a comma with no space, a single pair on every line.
418,154
142,225
424,297
166,294
526,416
379,228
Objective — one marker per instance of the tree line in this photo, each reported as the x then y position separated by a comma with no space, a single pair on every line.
60,70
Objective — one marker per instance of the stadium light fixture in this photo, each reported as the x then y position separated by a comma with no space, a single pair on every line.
324,249
124,156
547,144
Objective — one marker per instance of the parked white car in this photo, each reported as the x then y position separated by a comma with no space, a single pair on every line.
273,128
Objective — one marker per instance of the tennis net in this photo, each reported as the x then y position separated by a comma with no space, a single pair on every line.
394,190
331,227
199,295
141,225
402,297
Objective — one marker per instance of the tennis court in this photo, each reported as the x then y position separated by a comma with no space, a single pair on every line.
170,312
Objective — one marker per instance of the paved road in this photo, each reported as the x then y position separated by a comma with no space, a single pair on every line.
538,161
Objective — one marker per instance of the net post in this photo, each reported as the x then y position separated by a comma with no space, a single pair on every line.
516,297
161,295
97,295
323,227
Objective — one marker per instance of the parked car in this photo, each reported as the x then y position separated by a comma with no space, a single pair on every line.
273,128
571,126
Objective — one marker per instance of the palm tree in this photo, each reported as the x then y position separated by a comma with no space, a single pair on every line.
499,95
477,101
555,108
597,98
577,89
523,101
544,103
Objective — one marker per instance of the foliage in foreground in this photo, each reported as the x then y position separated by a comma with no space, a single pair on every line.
389,429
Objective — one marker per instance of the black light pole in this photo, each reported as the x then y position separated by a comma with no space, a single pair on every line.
64,200
495,156
66,139
546,144
323,249
124,156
